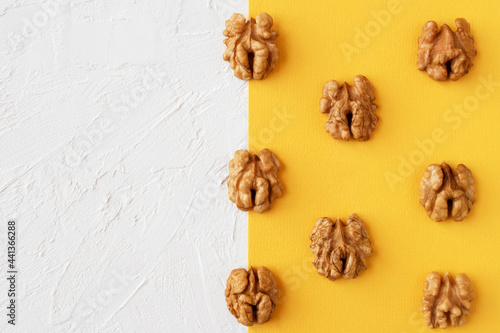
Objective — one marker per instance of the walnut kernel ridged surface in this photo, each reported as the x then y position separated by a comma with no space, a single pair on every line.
446,300
444,53
351,109
250,46
253,180
251,295
444,194
340,250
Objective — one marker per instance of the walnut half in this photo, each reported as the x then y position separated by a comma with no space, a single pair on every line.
251,295
446,299
351,109
444,194
250,46
340,250
253,180
444,53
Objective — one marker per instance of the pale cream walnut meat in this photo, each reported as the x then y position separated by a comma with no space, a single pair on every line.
251,48
446,300
444,53
251,295
253,180
444,194
351,109
340,250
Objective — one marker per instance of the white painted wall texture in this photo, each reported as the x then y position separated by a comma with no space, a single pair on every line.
117,121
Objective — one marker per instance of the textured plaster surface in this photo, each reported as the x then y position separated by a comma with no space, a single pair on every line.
117,121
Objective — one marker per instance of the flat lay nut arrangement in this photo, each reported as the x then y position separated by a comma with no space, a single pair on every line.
446,300
253,180
251,48
340,249
444,53
251,295
444,194
351,109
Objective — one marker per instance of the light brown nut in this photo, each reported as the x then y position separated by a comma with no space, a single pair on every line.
340,250
445,299
351,109
444,53
444,194
251,295
250,46
253,180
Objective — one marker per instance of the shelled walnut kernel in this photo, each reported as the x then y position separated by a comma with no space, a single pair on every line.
445,299
251,295
253,180
340,250
444,53
251,48
444,194
351,109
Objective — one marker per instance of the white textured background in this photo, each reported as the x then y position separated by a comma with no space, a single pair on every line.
117,121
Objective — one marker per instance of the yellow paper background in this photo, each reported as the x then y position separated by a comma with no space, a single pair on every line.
327,177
